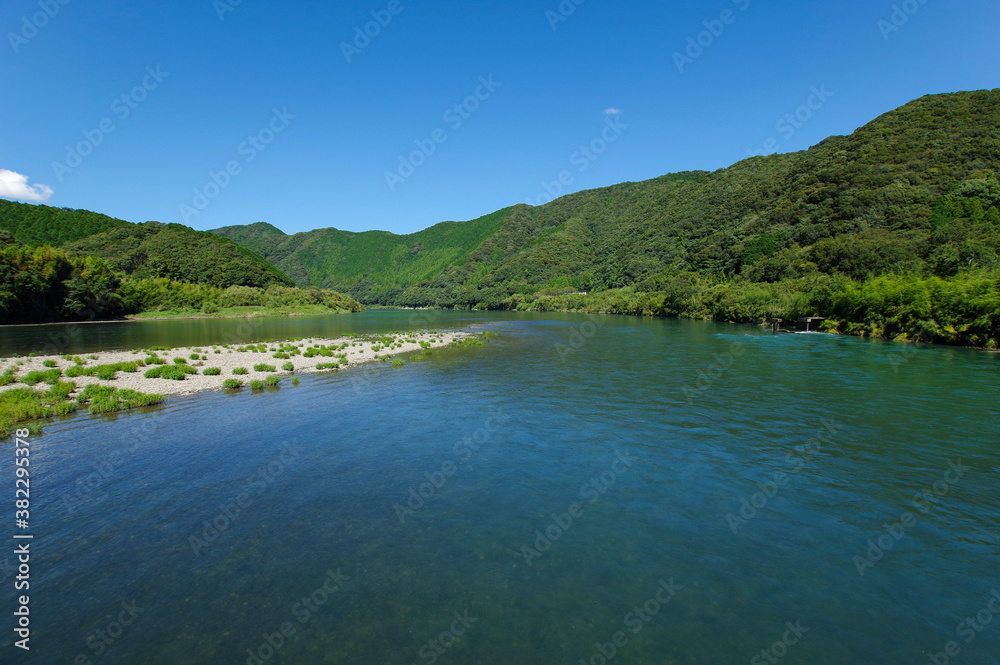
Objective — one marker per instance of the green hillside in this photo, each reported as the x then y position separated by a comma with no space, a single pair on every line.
44,225
178,253
368,262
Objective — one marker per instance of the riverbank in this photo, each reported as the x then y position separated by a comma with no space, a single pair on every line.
141,374
237,313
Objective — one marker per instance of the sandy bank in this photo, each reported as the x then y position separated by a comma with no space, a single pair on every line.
347,351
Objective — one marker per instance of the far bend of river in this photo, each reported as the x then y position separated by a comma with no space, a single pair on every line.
615,493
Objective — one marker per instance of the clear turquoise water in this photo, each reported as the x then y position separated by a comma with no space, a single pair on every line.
546,423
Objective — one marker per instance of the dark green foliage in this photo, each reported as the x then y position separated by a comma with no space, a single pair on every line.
45,284
272,381
149,295
288,367
36,225
49,363
178,253
211,371
261,367
232,384
364,261
239,370
256,385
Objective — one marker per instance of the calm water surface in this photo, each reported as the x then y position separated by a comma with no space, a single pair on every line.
545,489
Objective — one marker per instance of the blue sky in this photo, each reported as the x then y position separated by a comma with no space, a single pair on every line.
217,113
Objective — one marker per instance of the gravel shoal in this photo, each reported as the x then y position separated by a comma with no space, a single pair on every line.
358,350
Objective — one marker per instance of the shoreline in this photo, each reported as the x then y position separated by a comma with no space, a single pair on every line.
133,318
341,352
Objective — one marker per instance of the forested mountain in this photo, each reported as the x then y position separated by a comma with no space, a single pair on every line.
368,261
179,253
913,192
106,267
44,225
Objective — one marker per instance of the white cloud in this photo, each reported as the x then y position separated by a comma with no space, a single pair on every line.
15,186
612,111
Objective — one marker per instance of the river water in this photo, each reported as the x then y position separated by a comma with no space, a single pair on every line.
605,490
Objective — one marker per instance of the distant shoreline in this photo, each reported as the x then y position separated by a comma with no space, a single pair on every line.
193,315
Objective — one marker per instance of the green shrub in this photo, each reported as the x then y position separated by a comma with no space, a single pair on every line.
281,356
154,359
288,367
193,356
272,381
49,363
261,367
104,399
24,405
256,385
232,384
239,371
398,362
180,361
212,371
50,376
106,372
172,372
295,381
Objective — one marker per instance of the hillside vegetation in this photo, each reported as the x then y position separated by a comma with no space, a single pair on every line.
44,225
903,213
372,262
179,253
122,268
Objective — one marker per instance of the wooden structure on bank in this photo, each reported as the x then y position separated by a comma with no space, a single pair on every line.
806,324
